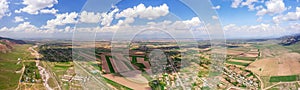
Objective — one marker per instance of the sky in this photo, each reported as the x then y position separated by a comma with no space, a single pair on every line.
25,19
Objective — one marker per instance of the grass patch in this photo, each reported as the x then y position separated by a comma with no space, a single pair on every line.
237,63
134,62
61,67
284,78
8,63
245,58
111,68
96,66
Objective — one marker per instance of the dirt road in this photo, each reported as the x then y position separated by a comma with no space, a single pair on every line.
45,75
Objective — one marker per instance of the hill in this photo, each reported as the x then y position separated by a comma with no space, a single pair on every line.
7,44
289,40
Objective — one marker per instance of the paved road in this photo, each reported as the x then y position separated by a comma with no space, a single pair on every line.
101,83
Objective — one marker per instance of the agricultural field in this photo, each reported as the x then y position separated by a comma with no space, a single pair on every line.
10,70
276,64
242,56
284,78
57,58
286,86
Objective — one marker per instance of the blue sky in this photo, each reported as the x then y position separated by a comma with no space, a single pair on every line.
57,18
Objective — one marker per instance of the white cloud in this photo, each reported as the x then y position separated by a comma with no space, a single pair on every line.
18,19
254,31
28,28
141,11
216,7
25,26
50,11
195,21
273,7
62,19
215,17
108,17
290,16
127,21
236,3
89,17
249,3
34,6
295,26
259,7
4,8
4,29
177,25
105,18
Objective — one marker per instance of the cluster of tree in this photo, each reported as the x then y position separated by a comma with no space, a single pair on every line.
55,54
157,85
31,73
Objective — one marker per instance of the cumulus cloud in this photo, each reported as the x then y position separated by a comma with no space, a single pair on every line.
89,17
18,19
272,7
294,27
108,17
215,17
290,16
249,3
195,21
141,11
4,10
216,7
127,21
105,18
27,30
236,3
62,19
34,6
254,31
27,27
49,11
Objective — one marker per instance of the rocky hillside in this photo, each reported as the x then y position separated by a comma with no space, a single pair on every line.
7,44
289,40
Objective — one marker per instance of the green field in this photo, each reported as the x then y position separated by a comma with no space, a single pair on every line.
111,68
284,78
237,63
245,58
294,48
134,62
8,63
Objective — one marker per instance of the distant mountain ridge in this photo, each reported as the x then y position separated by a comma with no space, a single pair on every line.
13,40
291,39
7,44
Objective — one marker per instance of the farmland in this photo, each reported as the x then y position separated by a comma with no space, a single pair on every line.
284,78
247,66
8,62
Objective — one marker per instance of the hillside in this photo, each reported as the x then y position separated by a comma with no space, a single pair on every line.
7,44
289,40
